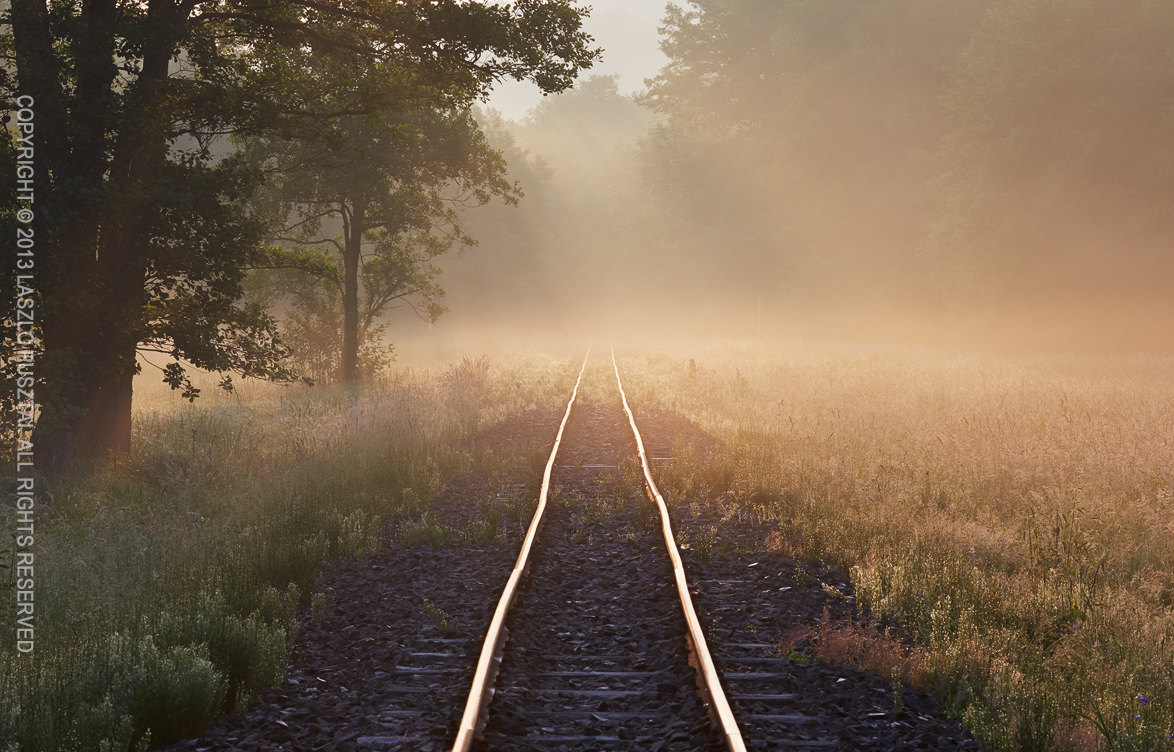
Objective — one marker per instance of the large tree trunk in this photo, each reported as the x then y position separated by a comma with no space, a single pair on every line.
89,365
105,429
94,297
94,426
352,251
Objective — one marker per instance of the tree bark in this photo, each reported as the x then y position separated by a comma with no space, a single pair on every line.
352,251
105,429
95,296
97,429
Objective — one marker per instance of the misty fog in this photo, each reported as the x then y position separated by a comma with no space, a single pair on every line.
996,172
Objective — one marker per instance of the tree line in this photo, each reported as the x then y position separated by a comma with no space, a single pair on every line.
949,155
351,112
973,150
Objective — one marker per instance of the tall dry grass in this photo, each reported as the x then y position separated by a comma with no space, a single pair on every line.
168,583
1013,514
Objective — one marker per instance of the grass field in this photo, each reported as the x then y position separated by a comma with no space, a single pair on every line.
1012,514
168,585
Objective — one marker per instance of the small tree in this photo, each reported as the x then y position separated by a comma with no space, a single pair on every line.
372,207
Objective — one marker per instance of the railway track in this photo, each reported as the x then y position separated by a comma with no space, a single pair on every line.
594,642
606,648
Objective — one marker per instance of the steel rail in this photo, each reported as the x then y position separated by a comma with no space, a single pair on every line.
708,678
473,720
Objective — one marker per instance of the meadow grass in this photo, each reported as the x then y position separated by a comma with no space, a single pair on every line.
168,584
1011,514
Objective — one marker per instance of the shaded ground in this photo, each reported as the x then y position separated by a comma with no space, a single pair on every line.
379,672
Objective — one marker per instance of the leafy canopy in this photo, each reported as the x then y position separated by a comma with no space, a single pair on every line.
143,229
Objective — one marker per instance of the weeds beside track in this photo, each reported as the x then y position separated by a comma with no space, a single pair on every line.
168,585
1011,514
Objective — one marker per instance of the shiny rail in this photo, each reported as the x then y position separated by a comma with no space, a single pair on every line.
474,718
708,679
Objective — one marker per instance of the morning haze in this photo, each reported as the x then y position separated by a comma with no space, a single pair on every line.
834,338
994,172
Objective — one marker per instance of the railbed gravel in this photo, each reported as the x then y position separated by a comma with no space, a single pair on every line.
597,656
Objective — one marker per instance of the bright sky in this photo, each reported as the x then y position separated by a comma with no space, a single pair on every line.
626,29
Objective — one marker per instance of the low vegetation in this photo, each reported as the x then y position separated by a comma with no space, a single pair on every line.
168,585
1011,514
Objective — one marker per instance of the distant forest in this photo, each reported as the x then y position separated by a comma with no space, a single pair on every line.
948,155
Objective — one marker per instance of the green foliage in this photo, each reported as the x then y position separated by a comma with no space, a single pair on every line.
172,695
437,616
482,532
129,694
374,200
318,607
249,648
312,325
142,229
427,531
704,543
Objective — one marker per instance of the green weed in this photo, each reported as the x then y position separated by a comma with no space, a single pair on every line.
706,537
318,607
437,616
